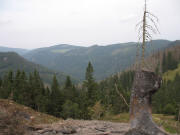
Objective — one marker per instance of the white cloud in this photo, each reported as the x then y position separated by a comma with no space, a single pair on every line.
37,23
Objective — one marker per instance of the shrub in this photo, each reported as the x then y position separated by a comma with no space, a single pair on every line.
169,109
96,111
70,110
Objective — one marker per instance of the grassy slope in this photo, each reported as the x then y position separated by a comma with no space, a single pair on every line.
166,122
26,114
171,74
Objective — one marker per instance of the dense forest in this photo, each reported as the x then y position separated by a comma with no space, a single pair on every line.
91,99
85,101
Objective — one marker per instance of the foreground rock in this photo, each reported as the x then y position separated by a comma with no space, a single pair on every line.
145,85
81,127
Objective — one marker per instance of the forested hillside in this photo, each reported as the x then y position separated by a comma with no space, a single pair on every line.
106,60
163,60
13,61
91,99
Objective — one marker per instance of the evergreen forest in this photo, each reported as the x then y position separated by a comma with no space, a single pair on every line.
90,99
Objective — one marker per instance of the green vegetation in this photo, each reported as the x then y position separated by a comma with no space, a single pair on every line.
122,117
169,109
12,61
105,100
60,51
167,122
167,99
107,60
90,100
171,74
67,100
168,62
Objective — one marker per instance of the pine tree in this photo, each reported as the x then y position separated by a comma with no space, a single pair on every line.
7,85
90,85
16,86
69,91
89,72
68,83
56,99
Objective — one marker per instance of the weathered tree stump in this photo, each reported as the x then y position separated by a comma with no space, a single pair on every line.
145,85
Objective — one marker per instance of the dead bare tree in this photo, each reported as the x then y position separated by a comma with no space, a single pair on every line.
145,84
146,28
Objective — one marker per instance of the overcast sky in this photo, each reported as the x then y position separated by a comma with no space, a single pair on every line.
39,23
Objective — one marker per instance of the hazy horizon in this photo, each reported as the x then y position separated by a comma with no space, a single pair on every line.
80,45
43,23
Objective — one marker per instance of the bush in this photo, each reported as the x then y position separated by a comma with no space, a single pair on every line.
70,110
96,111
169,109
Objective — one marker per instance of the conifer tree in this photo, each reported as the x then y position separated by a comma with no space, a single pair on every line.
90,85
16,86
7,85
56,99
68,83
69,91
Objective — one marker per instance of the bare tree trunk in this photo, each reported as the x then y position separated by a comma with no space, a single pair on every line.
145,30
144,38
145,85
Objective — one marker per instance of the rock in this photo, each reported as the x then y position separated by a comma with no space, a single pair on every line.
145,85
68,130
81,127
44,131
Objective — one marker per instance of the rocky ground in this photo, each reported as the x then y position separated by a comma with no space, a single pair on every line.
80,127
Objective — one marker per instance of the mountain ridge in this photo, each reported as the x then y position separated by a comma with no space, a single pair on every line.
13,61
20,51
106,60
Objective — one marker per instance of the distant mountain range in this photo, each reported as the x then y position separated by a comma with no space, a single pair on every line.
17,50
13,61
106,60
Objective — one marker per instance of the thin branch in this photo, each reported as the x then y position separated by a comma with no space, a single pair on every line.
151,28
121,95
154,24
153,16
139,23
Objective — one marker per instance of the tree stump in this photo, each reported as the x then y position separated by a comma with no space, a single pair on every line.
145,84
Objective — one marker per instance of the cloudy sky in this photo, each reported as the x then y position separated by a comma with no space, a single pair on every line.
39,23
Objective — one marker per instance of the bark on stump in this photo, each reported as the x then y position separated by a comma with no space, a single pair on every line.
145,85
